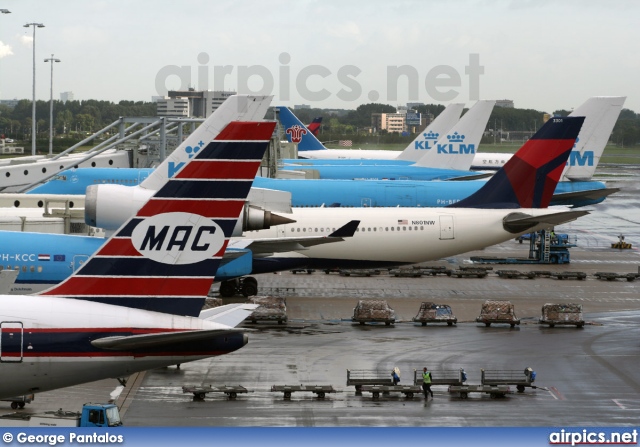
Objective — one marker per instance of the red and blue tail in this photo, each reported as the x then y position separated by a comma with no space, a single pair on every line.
165,257
529,178
314,126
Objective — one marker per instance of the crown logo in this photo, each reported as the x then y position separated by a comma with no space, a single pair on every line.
455,138
431,135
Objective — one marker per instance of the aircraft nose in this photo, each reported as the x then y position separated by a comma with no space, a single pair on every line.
245,339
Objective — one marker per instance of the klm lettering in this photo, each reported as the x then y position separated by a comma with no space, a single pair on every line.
577,159
456,148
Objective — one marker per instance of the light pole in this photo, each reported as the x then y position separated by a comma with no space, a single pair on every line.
33,109
52,60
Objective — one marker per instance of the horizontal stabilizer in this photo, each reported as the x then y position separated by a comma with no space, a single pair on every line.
230,315
592,194
520,222
479,176
146,341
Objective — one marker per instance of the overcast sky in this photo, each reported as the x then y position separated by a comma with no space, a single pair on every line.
544,55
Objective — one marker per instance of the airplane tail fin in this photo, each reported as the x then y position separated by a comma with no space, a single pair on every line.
600,115
314,126
234,108
529,178
427,139
296,132
456,148
165,257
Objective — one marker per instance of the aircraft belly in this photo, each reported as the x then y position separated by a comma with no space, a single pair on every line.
46,374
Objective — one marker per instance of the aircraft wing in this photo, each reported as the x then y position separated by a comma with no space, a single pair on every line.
520,222
284,244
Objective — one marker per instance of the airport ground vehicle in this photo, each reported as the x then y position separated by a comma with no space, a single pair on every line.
92,415
545,247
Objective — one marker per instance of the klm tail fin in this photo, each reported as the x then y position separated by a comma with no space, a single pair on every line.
600,115
427,139
529,178
456,148
296,132
165,257
314,126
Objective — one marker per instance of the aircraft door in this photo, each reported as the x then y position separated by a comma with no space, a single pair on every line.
446,227
142,175
11,341
366,202
78,260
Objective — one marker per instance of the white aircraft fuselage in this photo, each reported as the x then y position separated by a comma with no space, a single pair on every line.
389,236
39,357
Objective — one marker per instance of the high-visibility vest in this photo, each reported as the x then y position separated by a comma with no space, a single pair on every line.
426,377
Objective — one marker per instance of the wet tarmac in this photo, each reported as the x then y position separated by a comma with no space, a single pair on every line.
585,376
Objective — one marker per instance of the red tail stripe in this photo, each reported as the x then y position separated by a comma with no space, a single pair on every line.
209,208
220,169
538,152
246,131
97,286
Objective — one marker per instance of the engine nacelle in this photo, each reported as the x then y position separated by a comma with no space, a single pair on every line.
109,206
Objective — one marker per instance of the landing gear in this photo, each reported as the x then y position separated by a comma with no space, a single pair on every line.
247,286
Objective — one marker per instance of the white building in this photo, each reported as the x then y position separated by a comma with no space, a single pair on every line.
66,96
201,103
178,107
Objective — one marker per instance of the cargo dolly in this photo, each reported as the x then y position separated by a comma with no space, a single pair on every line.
610,276
520,379
361,377
494,391
435,313
199,392
515,274
318,390
358,272
442,377
407,390
570,275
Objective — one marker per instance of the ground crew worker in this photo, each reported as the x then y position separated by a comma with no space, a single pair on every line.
426,383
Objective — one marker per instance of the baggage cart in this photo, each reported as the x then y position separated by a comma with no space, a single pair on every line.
319,390
495,391
373,311
441,377
19,401
360,377
518,378
407,390
200,392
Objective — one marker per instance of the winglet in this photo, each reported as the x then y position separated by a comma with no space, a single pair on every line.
347,230
529,178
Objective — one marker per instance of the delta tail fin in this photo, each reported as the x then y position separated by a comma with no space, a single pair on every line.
296,132
314,126
426,140
456,148
529,178
165,257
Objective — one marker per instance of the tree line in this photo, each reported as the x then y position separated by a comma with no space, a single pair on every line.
354,124
73,120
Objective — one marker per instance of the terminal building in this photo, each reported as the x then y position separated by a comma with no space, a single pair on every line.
191,103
